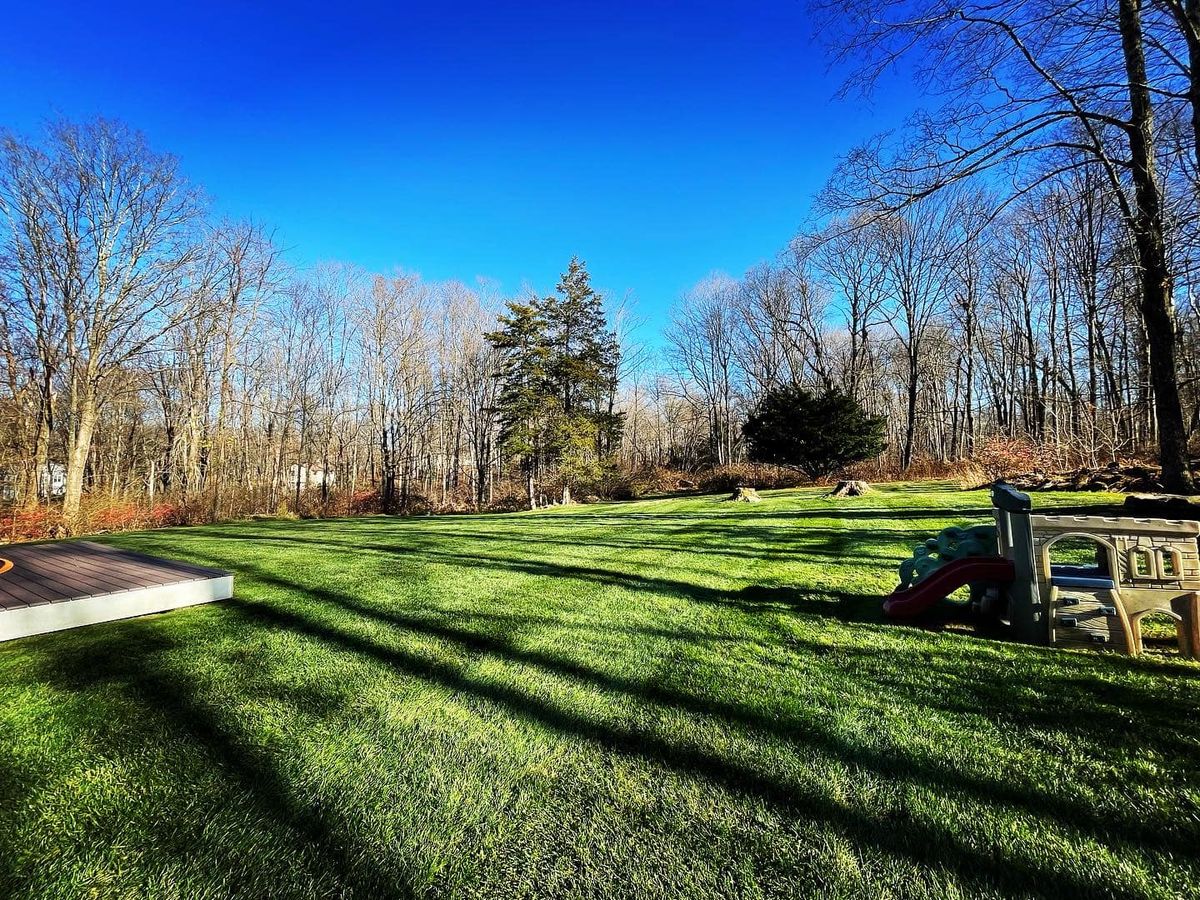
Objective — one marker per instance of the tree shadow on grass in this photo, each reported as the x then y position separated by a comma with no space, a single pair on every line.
991,693
748,543
918,841
132,661
844,606
743,515
166,694
836,556
975,693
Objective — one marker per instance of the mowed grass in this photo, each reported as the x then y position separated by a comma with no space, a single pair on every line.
671,698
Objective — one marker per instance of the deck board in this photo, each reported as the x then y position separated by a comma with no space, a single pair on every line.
54,586
104,573
81,568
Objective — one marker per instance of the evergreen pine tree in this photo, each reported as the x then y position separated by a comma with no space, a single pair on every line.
584,356
559,380
525,406
815,433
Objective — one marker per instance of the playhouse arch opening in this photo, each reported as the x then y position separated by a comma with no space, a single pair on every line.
1080,555
1158,629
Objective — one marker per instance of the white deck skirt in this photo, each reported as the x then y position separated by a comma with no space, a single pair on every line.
64,614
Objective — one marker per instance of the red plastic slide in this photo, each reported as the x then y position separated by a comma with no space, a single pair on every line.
911,602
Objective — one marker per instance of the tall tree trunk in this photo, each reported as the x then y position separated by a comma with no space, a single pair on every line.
1157,303
910,425
969,398
41,447
224,398
77,456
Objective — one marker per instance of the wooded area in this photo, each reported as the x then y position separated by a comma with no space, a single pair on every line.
153,355
1018,262
1016,269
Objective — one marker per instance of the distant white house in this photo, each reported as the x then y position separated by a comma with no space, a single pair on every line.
52,482
310,476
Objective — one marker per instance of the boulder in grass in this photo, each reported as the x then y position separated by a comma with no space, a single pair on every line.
849,489
1163,506
745,495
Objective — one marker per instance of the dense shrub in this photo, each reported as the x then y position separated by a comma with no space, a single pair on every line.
365,503
620,484
507,499
625,487
1004,457
819,434
32,524
98,514
967,473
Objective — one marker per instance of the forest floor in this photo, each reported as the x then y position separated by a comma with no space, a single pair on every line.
670,698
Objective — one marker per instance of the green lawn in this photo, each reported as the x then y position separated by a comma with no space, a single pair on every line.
669,698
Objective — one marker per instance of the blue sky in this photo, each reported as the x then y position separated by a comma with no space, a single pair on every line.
659,141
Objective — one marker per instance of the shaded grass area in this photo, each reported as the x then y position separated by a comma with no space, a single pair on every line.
672,698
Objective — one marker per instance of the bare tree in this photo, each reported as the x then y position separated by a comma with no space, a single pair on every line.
917,245
846,254
1029,91
248,274
702,342
105,229
392,321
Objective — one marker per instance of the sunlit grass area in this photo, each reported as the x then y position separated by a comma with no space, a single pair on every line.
669,698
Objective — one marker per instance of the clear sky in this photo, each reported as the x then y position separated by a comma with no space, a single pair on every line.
659,141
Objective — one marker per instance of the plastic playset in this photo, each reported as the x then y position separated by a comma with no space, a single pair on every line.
1140,567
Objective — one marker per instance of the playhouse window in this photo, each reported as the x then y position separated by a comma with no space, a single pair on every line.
1171,563
1141,564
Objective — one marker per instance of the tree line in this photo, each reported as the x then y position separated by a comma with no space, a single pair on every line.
1016,264
1014,267
957,325
152,352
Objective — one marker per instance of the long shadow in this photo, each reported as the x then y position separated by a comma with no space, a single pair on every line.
718,543
741,514
971,695
916,840
836,551
844,606
636,581
165,696
735,539
579,517
15,789
563,624
888,764
161,692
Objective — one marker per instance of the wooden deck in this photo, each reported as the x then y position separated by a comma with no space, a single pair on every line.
51,587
